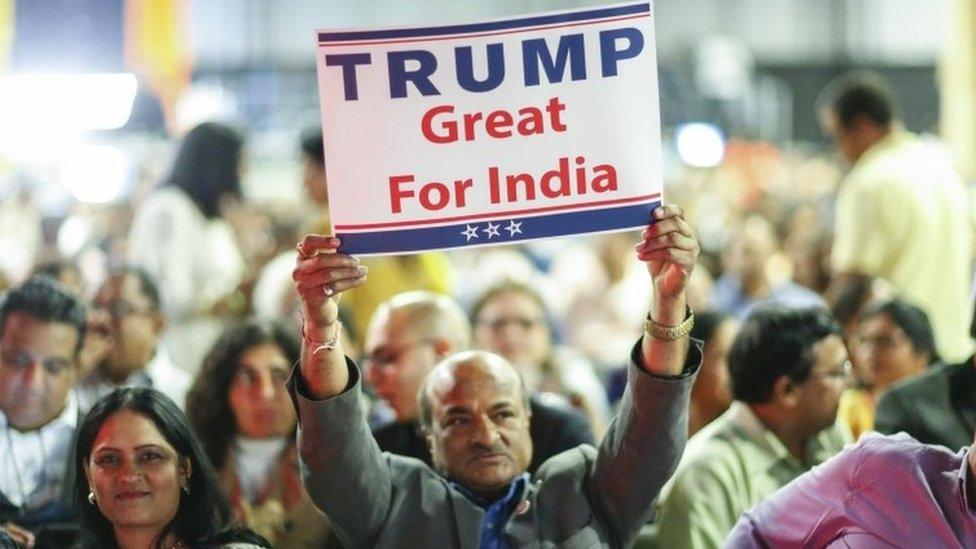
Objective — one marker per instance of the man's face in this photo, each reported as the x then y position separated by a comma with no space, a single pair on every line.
480,427
134,328
37,369
885,349
513,325
397,361
819,395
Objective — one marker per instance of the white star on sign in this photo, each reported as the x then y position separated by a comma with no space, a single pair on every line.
492,230
514,228
470,232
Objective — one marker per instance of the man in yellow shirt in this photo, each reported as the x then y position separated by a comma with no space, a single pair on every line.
901,212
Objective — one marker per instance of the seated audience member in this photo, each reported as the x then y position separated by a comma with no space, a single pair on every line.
937,407
788,369
711,394
143,479
407,337
42,326
887,491
474,411
240,409
129,335
511,320
747,281
894,341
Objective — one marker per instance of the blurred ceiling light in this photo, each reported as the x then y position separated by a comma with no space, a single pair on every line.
95,174
65,102
700,145
203,102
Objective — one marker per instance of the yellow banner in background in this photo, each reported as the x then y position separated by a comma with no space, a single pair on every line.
157,47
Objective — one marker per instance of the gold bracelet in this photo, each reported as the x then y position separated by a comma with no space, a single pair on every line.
669,333
329,345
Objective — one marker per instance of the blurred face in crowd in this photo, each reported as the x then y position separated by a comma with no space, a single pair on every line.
134,327
37,369
397,360
313,179
817,397
887,352
135,473
479,434
513,325
712,387
749,254
258,397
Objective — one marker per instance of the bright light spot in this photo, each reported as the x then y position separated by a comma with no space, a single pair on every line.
201,103
74,233
65,102
700,145
95,174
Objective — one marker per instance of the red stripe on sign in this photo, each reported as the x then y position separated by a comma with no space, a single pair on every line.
479,35
493,215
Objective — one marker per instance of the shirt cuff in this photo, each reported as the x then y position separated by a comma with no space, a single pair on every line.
693,360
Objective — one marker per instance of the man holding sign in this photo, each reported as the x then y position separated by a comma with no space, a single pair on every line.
489,133
475,416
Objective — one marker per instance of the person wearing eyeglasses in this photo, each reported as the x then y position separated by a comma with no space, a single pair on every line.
788,368
42,325
412,332
512,319
127,332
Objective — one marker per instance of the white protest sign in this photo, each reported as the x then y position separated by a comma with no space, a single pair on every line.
491,133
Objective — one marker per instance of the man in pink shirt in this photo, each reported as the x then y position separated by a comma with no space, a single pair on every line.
884,491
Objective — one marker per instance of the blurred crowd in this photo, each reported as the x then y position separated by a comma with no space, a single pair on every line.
833,296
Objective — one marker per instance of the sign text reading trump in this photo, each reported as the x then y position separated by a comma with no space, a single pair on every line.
489,133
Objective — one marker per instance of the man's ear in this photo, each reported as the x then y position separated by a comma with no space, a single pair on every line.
784,391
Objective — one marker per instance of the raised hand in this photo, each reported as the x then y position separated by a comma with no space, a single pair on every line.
670,249
321,274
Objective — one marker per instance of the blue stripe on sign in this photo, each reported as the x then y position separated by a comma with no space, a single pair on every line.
496,231
348,36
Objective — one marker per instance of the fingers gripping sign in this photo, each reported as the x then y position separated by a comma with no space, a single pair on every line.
321,274
670,249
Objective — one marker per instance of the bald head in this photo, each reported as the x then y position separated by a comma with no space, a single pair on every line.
475,412
469,368
407,336
426,315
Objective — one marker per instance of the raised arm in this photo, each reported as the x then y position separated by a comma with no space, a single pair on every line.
642,447
670,249
321,275
339,456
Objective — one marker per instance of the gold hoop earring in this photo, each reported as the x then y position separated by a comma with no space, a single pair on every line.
91,497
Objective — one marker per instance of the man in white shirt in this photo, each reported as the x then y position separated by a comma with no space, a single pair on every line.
129,334
41,330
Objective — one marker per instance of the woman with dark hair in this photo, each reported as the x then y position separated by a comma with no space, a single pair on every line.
240,408
144,481
180,236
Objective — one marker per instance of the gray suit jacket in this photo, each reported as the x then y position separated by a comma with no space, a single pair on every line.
585,497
